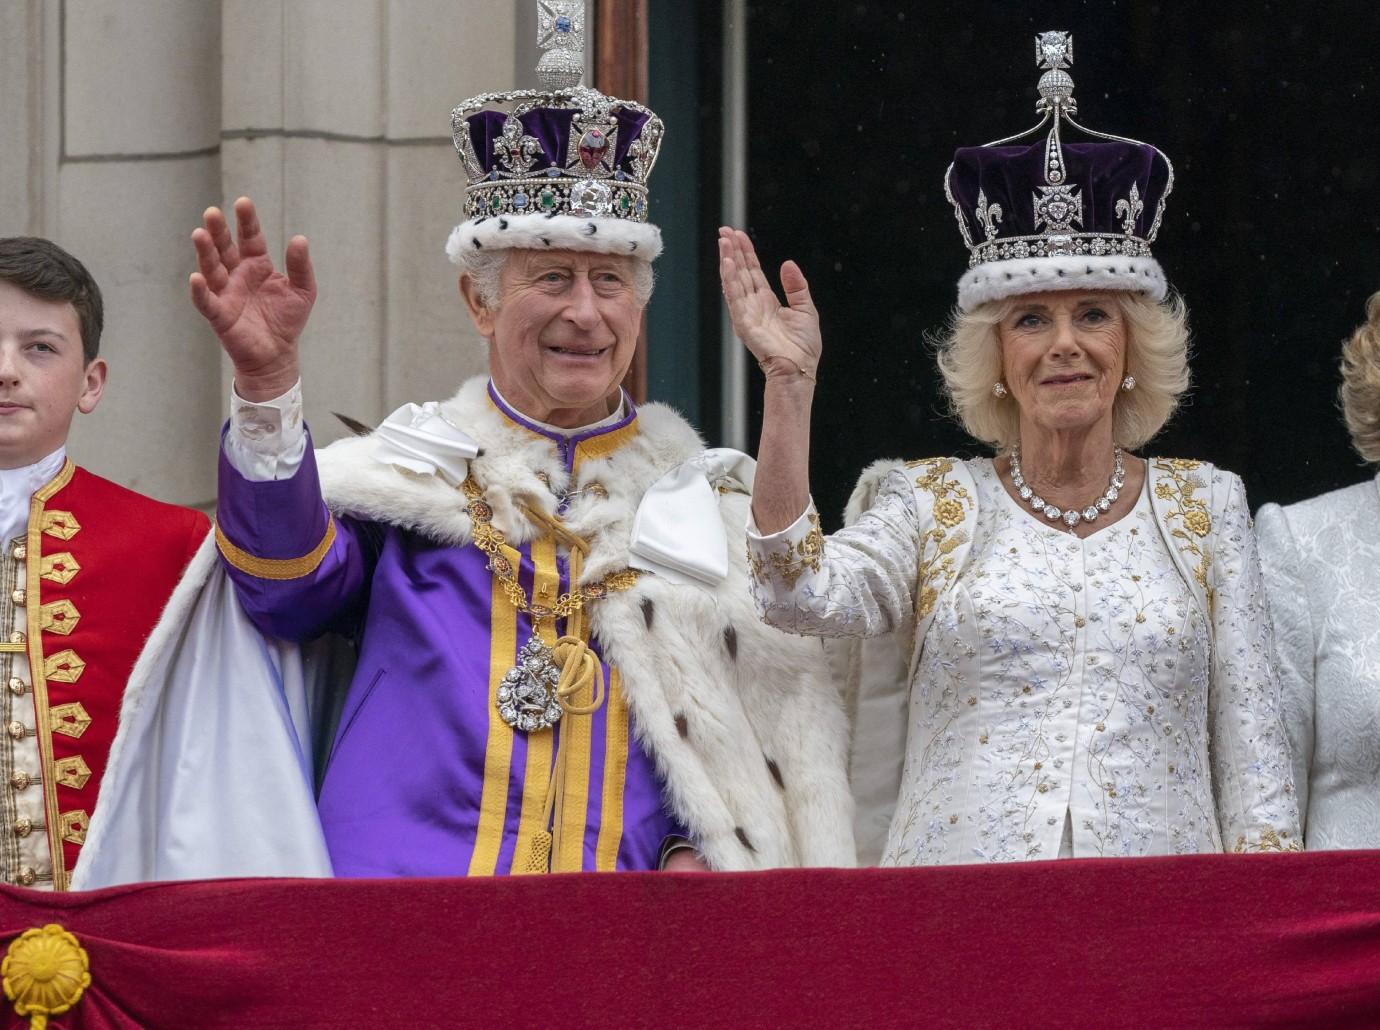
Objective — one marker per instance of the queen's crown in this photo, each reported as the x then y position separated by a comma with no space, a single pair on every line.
565,150
1054,198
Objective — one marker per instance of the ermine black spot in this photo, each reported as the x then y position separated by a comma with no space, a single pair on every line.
682,725
775,771
648,610
731,642
743,839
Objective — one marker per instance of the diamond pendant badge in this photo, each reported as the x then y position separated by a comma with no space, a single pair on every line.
527,696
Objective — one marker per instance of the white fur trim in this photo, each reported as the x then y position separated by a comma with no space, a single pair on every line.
556,232
997,280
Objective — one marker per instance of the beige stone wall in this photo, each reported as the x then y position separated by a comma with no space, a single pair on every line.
126,118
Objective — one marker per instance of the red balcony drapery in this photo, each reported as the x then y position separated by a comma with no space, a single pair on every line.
1197,941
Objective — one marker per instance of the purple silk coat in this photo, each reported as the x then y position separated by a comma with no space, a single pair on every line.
424,778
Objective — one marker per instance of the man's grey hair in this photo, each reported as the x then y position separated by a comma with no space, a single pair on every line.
485,269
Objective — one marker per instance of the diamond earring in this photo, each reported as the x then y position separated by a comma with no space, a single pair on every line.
1128,384
998,390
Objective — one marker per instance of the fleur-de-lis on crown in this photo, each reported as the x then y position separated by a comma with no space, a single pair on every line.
988,215
1129,209
515,151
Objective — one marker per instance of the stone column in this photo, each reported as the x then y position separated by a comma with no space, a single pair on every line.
337,122
123,121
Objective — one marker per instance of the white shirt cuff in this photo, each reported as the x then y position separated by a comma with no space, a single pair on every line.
795,531
266,439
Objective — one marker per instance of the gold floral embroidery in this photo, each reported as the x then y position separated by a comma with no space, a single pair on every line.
757,568
937,545
1182,483
791,564
1270,840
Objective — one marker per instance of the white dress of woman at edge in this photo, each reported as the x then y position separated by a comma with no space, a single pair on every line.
1064,698
1322,571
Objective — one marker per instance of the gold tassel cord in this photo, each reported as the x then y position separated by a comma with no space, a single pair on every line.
556,528
580,670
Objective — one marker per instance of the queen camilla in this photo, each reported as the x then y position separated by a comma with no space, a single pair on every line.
1074,637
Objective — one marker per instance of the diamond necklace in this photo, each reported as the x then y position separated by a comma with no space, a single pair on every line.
1071,517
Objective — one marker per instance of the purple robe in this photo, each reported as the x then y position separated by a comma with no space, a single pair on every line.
423,777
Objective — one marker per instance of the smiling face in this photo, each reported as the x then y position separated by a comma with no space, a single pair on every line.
44,376
564,333
1063,359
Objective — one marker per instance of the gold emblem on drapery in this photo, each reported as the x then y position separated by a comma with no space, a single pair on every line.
45,972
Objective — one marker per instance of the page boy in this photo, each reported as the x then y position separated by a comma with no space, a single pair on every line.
85,569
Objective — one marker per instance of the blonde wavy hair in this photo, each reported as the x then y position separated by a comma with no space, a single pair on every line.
969,356
1360,392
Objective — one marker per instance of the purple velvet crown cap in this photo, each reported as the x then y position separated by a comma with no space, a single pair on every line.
551,128
1103,173
1055,214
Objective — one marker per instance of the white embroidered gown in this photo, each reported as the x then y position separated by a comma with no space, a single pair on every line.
1065,700
1322,569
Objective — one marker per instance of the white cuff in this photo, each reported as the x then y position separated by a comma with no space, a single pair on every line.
266,439
795,531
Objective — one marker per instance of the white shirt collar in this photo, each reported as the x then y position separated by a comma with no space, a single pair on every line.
617,415
17,488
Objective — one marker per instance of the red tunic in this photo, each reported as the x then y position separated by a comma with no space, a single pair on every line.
101,562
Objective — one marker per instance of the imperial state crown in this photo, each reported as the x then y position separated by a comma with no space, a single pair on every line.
563,167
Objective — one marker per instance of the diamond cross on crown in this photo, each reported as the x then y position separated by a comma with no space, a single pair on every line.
1054,50
561,24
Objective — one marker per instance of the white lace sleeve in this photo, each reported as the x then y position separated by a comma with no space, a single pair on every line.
1256,806
858,582
1292,620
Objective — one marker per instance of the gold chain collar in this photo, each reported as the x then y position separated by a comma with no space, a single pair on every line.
491,542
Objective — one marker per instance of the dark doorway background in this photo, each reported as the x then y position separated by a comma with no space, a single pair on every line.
1270,113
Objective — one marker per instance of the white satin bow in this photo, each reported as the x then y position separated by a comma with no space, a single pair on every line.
422,440
677,532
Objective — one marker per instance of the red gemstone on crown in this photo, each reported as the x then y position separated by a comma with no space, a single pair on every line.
593,146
